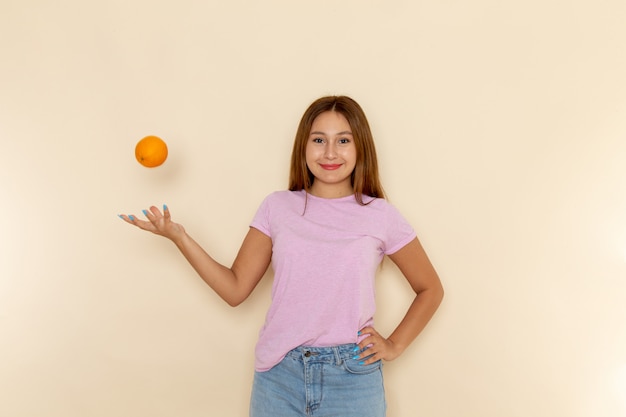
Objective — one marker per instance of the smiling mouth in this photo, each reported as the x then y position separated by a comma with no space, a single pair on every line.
330,167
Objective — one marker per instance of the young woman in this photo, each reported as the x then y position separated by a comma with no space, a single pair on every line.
318,352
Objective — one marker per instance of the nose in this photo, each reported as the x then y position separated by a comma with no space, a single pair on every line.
330,151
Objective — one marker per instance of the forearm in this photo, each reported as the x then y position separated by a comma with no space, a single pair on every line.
233,284
417,317
219,277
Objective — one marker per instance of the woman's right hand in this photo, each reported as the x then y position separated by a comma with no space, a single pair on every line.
158,223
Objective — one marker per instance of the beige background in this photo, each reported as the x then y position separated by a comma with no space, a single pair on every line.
501,129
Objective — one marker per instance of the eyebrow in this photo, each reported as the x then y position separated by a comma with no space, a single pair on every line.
345,132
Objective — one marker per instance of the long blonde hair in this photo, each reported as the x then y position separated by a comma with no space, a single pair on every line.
365,178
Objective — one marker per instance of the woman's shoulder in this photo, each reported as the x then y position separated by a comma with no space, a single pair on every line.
381,205
377,202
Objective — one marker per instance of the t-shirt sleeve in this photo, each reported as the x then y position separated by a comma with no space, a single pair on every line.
261,219
398,232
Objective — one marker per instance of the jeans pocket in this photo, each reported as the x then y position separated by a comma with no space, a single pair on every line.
354,367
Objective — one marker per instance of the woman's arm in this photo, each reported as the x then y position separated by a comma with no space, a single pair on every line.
232,284
418,270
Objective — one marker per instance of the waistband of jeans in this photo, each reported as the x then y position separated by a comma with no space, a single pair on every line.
324,354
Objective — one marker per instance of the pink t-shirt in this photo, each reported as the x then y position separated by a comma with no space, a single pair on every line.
324,259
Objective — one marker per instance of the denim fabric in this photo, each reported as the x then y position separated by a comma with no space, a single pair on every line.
319,382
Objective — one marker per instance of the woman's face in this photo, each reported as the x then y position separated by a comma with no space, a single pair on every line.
331,155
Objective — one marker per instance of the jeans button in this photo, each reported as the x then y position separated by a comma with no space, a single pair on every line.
307,354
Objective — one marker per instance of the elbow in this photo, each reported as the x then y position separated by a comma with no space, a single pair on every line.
434,294
439,293
235,301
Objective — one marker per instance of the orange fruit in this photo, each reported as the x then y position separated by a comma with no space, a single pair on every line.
151,151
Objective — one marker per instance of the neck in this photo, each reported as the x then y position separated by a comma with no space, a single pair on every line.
321,191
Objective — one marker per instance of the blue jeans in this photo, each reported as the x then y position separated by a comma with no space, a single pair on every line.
319,382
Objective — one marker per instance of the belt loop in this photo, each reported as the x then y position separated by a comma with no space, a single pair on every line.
337,355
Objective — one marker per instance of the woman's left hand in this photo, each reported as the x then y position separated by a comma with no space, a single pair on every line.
374,347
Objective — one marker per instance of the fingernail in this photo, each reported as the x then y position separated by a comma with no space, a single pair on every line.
145,212
361,363
356,349
358,333
120,216
132,218
164,207
355,357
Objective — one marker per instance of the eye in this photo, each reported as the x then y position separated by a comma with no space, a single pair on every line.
344,141
318,140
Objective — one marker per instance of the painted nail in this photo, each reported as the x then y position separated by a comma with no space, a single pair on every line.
361,363
355,357
120,216
164,207
356,349
358,333
132,218
145,212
